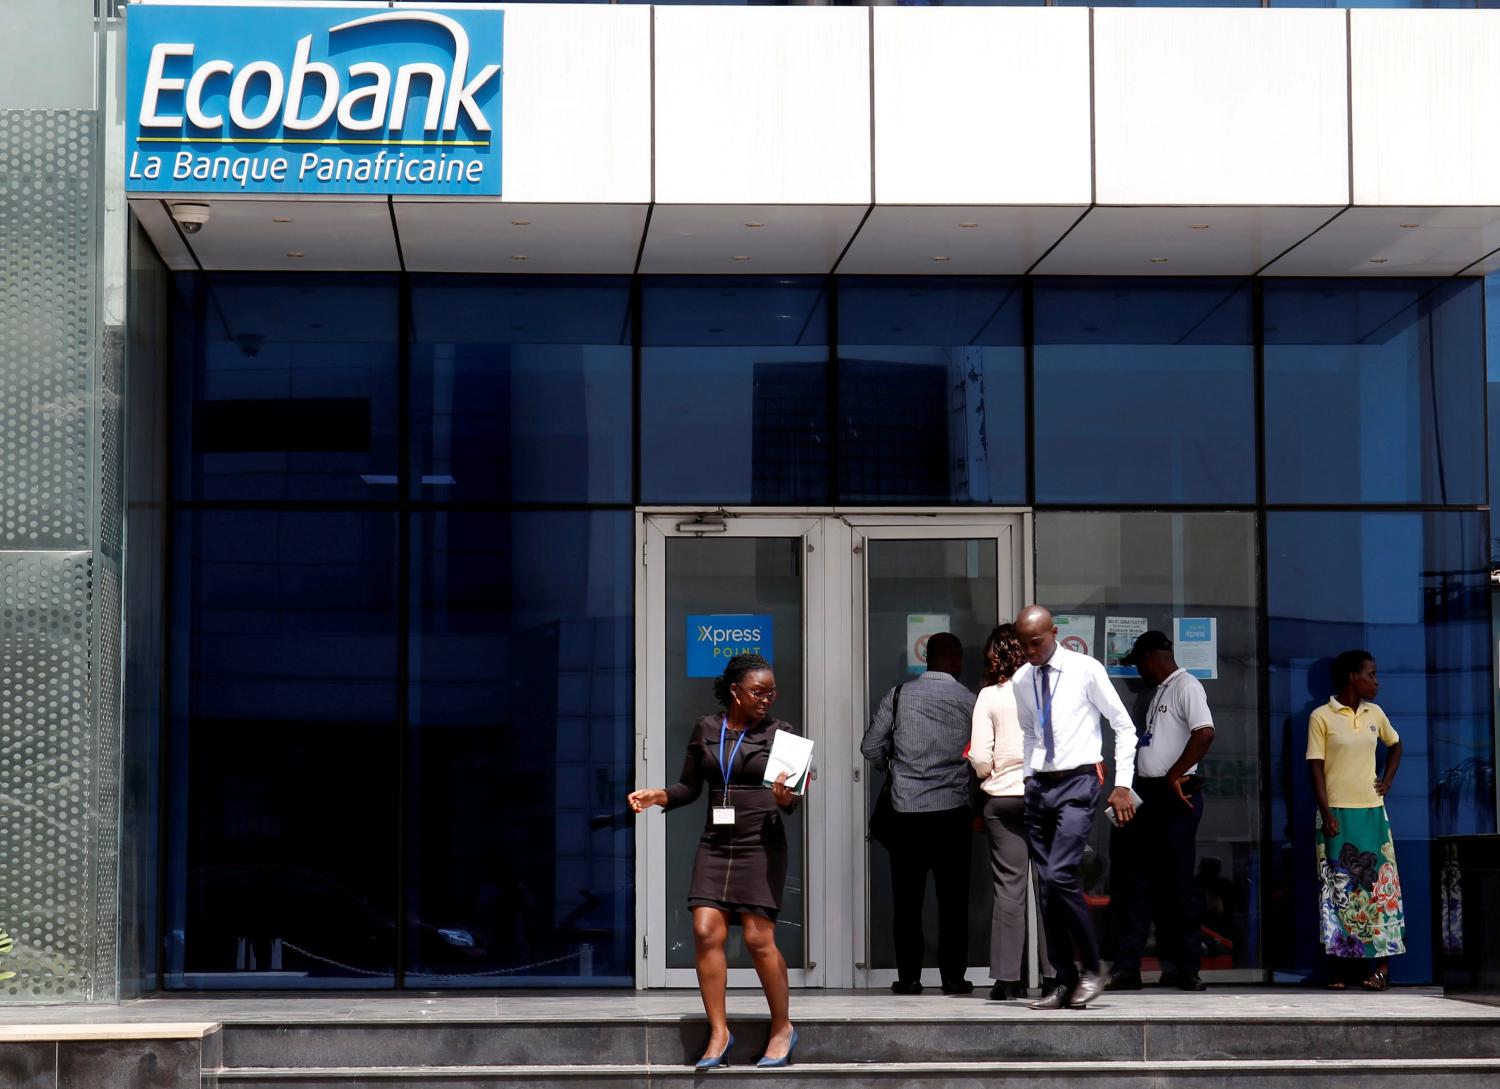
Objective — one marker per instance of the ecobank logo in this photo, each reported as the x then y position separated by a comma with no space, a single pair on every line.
228,99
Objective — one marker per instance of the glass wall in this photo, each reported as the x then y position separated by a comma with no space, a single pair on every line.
403,567
1155,568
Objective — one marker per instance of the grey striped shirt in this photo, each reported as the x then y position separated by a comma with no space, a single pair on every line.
928,762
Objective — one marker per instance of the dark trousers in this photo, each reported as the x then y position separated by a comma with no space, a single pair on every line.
1010,861
1059,817
1151,865
938,842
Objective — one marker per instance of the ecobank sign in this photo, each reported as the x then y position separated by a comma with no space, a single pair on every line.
313,100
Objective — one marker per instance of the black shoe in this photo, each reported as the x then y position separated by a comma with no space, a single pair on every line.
1168,979
1056,999
1090,986
1123,979
1006,989
1191,982
963,986
907,986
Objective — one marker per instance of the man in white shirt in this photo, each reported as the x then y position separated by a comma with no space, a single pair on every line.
1060,696
1152,859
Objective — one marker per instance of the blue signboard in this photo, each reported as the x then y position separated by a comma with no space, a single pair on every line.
715,638
312,100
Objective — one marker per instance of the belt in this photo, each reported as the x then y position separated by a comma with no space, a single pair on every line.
1066,773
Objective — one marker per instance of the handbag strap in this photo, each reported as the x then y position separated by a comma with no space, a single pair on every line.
895,716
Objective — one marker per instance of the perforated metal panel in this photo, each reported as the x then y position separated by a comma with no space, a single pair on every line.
47,326
48,754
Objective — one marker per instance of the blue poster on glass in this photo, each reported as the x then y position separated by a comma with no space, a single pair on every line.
304,99
714,638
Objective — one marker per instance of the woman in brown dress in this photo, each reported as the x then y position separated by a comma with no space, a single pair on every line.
740,868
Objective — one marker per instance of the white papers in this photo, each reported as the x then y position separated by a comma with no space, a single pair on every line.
1076,632
1120,633
1195,642
790,753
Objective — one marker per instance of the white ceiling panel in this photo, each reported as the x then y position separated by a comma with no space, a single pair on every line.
452,236
158,224
748,239
762,105
1180,241
940,134
1396,242
1221,107
956,241
297,236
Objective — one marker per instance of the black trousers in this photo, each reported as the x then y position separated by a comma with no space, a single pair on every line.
1151,864
938,842
1059,817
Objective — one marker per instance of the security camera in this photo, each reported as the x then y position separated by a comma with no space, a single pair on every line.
191,217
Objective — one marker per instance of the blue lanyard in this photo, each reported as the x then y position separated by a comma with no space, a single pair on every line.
723,767
1036,694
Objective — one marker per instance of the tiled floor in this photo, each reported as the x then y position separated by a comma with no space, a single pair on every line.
1240,1004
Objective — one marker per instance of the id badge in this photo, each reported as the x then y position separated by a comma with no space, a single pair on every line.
723,814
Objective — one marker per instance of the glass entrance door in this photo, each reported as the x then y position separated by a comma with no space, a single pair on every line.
839,603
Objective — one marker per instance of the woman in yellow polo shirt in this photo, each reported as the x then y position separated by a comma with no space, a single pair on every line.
1360,913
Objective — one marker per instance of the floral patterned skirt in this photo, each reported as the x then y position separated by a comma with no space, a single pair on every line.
1359,899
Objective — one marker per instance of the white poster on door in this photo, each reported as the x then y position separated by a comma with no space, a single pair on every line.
1076,632
1195,642
921,627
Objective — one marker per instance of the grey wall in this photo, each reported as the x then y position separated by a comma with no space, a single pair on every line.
60,518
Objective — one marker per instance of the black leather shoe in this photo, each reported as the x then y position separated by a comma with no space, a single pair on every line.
962,986
1191,982
1168,979
1090,986
1006,989
1123,979
1056,999
906,986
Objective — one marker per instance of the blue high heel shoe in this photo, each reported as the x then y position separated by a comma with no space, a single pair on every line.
785,1060
709,1062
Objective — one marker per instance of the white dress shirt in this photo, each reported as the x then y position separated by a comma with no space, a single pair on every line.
995,742
1081,693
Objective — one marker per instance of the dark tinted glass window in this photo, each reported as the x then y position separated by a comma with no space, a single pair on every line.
1412,589
521,389
1144,391
1091,567
1374,391
734,400
284,753
932,390
285,387
520,855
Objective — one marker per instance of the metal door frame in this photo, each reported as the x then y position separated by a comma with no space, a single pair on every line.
835,712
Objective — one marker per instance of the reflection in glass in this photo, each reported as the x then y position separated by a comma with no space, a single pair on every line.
1144,391
1156,567
731,576
734,401
954,577
285,387
283,751
521,388
1413,590
1374,391
519,859
932,390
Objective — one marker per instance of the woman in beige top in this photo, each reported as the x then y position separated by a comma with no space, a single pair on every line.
995,753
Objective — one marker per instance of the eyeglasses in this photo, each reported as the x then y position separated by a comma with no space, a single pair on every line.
761,693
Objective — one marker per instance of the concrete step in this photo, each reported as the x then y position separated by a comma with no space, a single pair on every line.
1347,1073
672,1042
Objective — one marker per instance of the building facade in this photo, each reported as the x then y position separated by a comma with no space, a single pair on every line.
367,535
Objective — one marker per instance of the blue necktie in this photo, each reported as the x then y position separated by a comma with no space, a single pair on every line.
1045,711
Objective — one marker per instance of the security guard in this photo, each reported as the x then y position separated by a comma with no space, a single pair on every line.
1152,858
